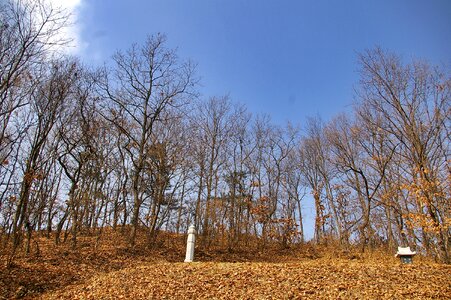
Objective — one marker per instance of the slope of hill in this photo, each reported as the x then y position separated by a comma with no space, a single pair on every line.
104,267
310,279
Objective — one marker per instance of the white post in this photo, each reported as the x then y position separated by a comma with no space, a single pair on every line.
190,244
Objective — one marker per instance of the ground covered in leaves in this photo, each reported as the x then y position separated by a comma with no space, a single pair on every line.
109,269
314,279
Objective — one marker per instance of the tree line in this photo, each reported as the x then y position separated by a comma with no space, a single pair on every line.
133,146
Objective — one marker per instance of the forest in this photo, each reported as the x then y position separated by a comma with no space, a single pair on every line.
133,147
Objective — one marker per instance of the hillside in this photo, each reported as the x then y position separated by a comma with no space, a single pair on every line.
311,279
107,269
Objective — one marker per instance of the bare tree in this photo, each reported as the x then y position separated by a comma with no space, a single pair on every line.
312,159
28,30
236,177
79,147
47,104
414,102
146,81
214,127
361,155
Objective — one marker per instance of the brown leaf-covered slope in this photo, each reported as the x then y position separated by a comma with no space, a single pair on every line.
309,279
107,268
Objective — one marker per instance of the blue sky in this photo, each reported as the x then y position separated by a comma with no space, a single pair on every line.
288,59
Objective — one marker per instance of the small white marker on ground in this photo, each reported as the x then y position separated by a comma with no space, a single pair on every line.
190,244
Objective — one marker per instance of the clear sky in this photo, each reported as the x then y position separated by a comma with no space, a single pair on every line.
289,59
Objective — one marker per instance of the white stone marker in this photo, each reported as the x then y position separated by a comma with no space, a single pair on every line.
190,244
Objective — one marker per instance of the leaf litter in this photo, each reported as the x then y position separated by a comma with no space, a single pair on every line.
307,279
